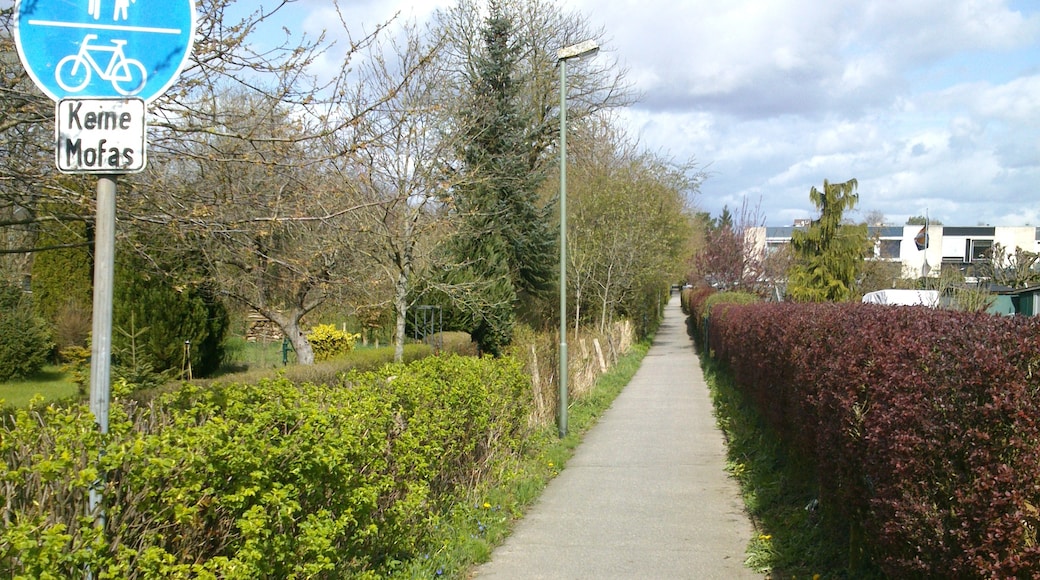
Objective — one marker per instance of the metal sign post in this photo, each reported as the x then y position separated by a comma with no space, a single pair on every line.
104,262
103,61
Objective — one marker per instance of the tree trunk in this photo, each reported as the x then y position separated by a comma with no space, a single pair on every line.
577,311
604,305
304,351
290,325
401,308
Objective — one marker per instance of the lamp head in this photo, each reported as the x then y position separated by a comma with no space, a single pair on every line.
587,48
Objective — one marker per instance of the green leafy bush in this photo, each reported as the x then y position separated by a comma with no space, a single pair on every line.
76,362
329,342
266,480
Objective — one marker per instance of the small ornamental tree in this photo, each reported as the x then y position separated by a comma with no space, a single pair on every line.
166,326
729,258
25,341
829,254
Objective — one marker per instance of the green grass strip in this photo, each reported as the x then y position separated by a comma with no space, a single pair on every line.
794,540
467,535
51,383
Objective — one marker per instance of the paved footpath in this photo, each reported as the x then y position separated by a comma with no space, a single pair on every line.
645,495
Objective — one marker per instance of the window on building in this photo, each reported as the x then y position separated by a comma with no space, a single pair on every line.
889,249
976,250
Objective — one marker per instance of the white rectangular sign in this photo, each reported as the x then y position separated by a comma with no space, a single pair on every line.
100,135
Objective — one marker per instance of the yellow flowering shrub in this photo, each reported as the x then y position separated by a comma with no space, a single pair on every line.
329,342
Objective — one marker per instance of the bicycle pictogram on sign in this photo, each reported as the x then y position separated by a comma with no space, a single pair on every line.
104,48
127,75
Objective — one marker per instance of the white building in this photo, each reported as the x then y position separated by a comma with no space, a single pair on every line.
946,245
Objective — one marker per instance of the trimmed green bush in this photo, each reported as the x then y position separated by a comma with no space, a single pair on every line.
267,480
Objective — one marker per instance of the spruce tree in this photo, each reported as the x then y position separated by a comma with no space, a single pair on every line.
830,253
25,342
506,233
154,317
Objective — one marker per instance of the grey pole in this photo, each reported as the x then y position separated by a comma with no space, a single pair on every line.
101,338
562,423
579,50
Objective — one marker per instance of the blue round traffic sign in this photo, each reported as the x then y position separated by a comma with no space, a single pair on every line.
104,48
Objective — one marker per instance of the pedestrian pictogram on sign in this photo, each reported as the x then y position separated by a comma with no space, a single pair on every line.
104,48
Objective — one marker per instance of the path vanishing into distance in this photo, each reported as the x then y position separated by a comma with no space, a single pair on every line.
646,494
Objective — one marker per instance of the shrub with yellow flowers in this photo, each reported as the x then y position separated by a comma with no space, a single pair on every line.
329,342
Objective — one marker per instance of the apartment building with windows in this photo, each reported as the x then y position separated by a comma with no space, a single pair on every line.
923,251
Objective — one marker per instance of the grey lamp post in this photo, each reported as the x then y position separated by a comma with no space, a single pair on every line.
564,54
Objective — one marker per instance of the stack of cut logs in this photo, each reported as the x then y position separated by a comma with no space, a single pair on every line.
260,329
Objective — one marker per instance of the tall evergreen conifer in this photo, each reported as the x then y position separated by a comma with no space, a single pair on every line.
63,276
506,237
830,252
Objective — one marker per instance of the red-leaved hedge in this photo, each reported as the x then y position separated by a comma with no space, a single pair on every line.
923,425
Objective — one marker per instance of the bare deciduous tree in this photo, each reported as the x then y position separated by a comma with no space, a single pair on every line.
405,165
245,152
629,224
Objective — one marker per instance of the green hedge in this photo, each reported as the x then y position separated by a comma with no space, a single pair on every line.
270,479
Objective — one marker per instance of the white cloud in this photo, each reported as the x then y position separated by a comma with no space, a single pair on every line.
929,104
1013,102
904,96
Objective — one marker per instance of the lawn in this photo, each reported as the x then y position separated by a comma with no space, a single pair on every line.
50,383
244,361
53,384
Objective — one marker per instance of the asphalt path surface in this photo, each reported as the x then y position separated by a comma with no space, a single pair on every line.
646,494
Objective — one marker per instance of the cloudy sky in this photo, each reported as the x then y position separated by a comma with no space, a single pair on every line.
932,105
